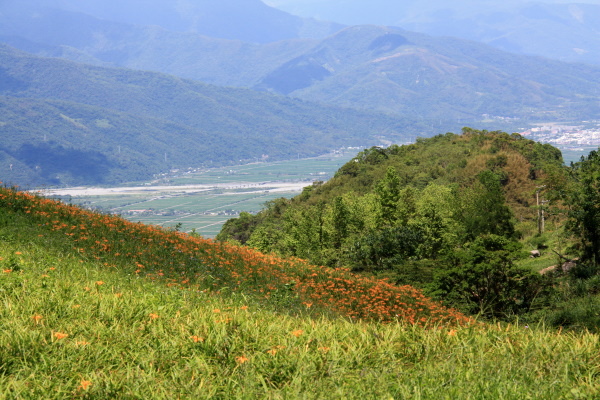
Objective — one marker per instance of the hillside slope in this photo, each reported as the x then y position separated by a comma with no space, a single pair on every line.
140,123
80,321
398,71
445,214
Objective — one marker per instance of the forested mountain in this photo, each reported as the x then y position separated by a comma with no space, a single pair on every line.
562,30
68,123
488,222
368,67
399,71
445,214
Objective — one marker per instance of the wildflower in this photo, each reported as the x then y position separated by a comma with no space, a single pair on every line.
7,271
153,316
60,335
37,318
18,253
216,311
82,343
324,349
272,352
197,339
297,332
308,305
244,308
118,295
85,384
99,283
241,359
76,306
452,332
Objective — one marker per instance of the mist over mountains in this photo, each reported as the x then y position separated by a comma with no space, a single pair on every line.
368,84
564,30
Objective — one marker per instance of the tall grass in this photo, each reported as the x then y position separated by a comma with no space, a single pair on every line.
81,330
87,323
199,264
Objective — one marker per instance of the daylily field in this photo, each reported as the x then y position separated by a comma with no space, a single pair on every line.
94,306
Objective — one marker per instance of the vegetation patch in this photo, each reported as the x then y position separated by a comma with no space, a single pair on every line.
96,307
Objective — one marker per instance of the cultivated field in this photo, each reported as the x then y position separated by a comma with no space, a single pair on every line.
202,200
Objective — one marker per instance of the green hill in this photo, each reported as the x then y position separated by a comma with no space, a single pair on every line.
455,215
133,124
96,307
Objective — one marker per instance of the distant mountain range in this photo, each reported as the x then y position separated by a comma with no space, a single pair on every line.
248,20
67,123
391,83
368,67
554,29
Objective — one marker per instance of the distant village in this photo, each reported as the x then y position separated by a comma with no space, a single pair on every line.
587,134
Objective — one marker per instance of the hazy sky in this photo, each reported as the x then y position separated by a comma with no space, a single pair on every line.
378,11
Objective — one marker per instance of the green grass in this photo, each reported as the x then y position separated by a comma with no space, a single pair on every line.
86,322
129,337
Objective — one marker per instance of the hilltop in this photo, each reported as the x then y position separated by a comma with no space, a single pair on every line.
455,215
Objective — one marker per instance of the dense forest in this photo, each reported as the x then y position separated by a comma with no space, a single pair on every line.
460,216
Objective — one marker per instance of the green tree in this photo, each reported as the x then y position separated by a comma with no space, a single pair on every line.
484,209
388,194
483,279
584,206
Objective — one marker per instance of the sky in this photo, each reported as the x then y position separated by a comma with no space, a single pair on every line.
386,11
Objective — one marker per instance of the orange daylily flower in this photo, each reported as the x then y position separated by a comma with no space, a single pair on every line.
60,335
241,359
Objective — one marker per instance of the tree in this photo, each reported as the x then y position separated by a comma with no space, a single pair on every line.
584,206
483,279
485,210
388,193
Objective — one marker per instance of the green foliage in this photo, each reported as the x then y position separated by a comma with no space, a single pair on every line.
484,210
421,213
483,279
584,211
94,307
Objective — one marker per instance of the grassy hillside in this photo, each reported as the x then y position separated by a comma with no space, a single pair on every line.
139,123
89,313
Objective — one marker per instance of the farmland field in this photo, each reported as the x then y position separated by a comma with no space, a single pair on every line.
202,200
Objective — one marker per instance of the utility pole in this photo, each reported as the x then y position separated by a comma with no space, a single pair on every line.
540,208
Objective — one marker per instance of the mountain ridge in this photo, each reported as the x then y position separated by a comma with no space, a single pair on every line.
150,116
